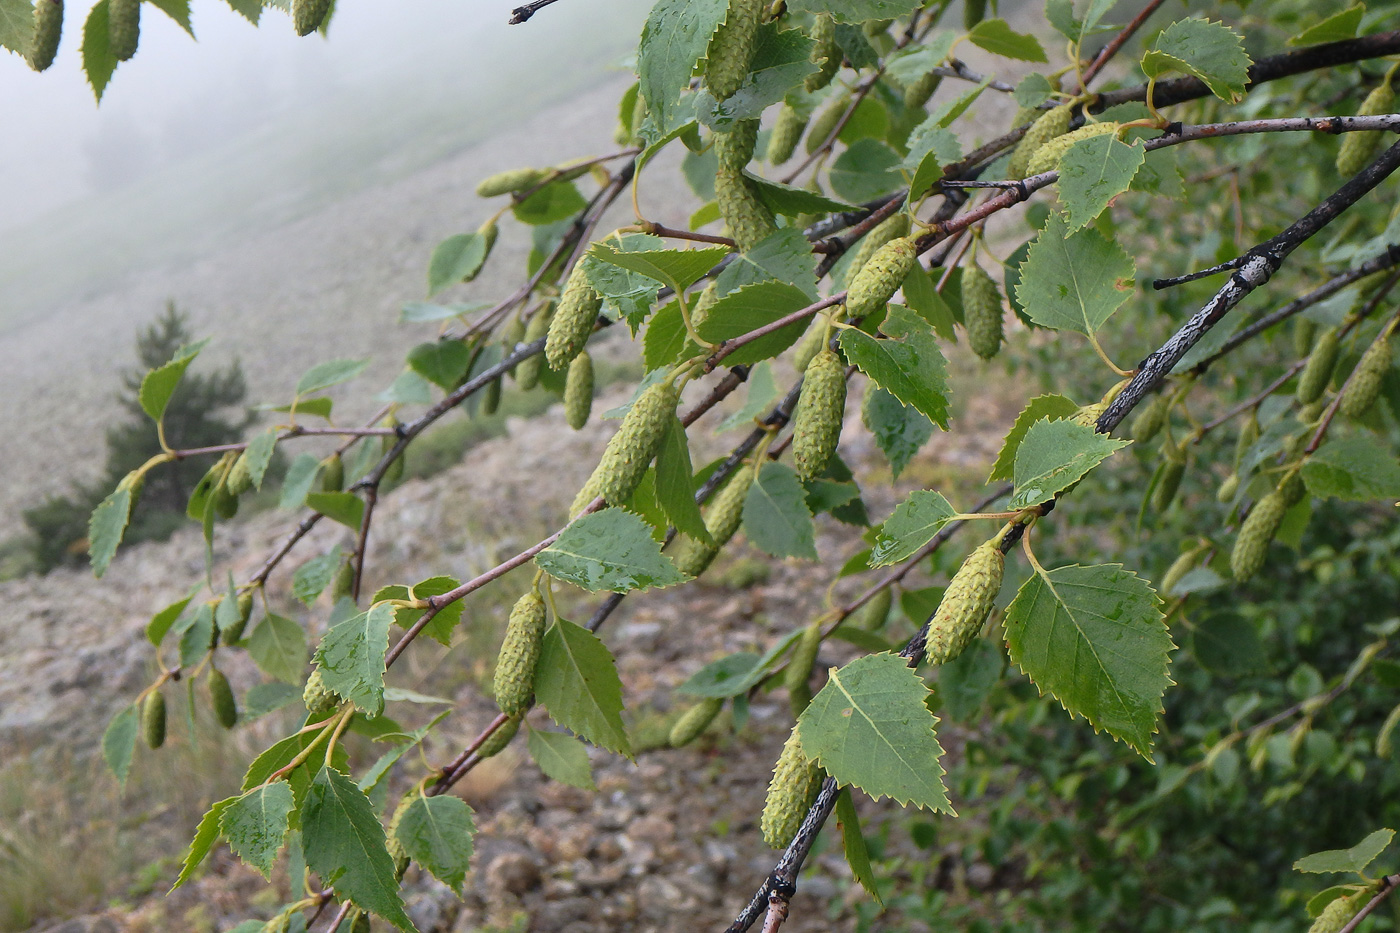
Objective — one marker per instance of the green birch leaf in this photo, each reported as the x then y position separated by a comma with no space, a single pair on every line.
1040,408
301,476
256,823
912,525
312,577
178,10
736,674
675,483
1334,28
674,39
965,682
1074,281
869,726
1094,638
918,59
1353,469
867,169
205,835
16,25
782,58
665,341
278,647
158,385
344,507
576,680
1032,90
351,658
1093,172
1354,859
345,845
160,623
562,758
119,742
853,844
425,312
785,256
266,698
931,146
456,259
197,638
442,362
776,517
899,429
908,365
556,201
627,294
609,550
857,11
997,37
106,528
1053,456
1210,51
923,297
259,455
678,268
761,393
98,61
749,308
408,388
437,832
791,201
442,625
327,374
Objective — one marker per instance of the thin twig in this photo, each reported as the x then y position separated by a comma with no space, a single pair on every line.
522,14
1116,43
1387,887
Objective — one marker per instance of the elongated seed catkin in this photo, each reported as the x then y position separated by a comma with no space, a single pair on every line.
891,228
1338,912
1359,148
1249,433
319,698
573,319
734,147
332,473
632,448
511,337
722,520
820,409
245,611
873,614
1304,331
1364,386
796,780
694,721
123,28
1052,123
1292,489
1169,481
1047,157
221,699
798,674
825,53
881,277
490,401
825,121
1179,568
1148,422
578,391
527,371
786,132
917,93
48,29
153,719
811,344
1226,494
982,314
1256,533
308,15
520,652
1318,370
748,219
499,739
966,603
731,48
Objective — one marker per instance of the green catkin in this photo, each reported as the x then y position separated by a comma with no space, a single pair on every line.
825,121
511,338
1309,414
573,320
1148,422
578,391
731,48
798,674
786,132
880,278
1304,331
153,719
1357,149
826,54
344,582
48,29
1317,373
499,739
820,410
974,11
1050,124
1047,157
966,603
1179,568
308,15
1256,533
1024,115
982,313
1249,433
1339,912
873,614
811,344
488,231
796,780
225,502
1292,489
694,721
319,698
221,698
490,402
527,371
124,28
700,310
510,181
240,480
921,89
1088,415
632,448
332,473
1226,494
1173,469
748,219
734,148
520,652
722,520
891,228
361,924
245,612
391,834
1364,386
